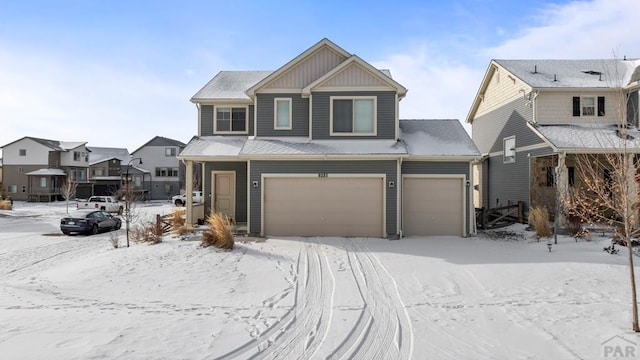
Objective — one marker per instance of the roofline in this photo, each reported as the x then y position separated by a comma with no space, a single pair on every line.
481,89
258,157
293,62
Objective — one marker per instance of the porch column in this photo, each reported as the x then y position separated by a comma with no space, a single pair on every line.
562,188
189,192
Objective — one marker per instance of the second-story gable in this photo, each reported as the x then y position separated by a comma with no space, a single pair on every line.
324,93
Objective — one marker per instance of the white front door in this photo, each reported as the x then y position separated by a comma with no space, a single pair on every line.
224,191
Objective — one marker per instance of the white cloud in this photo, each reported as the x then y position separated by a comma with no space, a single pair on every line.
578,30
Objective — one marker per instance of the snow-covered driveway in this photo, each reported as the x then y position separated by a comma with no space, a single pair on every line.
303,298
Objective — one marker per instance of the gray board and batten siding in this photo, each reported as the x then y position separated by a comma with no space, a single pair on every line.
386,114
442,168
299,115
241,186
206,119
388,167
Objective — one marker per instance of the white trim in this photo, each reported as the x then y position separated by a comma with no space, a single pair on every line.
264,176
310,117
472,211
249,196
199,119
255,116
275,113
231,107
353,88
397,116
280,91
398,199
504,150
213,189
375,115
461,177
521,149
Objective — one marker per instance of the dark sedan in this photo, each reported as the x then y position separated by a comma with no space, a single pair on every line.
89,222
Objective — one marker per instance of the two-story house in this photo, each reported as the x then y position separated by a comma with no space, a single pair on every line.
531,118
106,166
166,172
35,169
316,148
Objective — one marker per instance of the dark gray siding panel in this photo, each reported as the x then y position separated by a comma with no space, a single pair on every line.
164,190
206,120
446,168
509,183
388,167
299,119
511,119
386,116
241,186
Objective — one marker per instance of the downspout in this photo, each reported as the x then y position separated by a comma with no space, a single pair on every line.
199,120
399,198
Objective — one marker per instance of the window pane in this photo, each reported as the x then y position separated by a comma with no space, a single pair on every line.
43,182
223,119
588,106
238,119
342,116
282,114
363,116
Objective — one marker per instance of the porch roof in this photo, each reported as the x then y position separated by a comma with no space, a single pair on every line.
47,172
304,146
589,137
213,146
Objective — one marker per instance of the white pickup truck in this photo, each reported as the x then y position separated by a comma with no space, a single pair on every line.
181,200
106,203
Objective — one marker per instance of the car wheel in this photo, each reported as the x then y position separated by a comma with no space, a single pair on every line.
179,202
118,226
94,229
120,210
66,232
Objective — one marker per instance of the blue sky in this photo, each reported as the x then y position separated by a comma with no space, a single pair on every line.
117,73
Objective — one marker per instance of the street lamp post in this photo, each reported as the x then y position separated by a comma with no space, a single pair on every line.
127,197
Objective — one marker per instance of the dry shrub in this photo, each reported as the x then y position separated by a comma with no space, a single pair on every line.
185,229
147,233
574,225
177,218
5,205
539,219
218,232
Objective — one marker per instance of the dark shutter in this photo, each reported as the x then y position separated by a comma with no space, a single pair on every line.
600,105
576,106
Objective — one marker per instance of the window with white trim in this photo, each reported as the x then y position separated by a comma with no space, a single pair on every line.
509,150
43,182
282,113
76,156
169,151
12,189
230,120
588,106
353,115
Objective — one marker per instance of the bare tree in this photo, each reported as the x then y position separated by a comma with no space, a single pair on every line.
68,190
130,214
605,188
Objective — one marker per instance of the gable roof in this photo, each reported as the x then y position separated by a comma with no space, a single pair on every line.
383,76
229,85
292,63
431,138
562,74
161,141
99,154
52,144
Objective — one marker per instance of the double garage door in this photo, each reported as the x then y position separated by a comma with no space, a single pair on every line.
323,206
433,206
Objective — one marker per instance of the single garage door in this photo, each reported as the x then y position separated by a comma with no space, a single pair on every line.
328,206
433,206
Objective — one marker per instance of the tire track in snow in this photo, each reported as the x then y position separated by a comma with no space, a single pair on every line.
301,331
383,331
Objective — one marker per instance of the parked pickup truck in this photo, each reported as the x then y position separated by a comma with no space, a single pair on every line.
105,203
180,200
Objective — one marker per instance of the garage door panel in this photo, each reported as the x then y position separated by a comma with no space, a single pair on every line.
433,206
323,206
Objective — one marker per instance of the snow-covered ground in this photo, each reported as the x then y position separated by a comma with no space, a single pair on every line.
488,297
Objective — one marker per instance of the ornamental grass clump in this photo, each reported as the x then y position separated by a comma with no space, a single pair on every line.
178,221
5,205
218,232
539,219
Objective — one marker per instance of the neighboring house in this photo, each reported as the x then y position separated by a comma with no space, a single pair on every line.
167,173
35,169
316,148
106,168
531,116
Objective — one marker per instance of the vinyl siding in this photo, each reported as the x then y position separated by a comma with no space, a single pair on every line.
557,108
308,70
15,175
330,167
386,114
206,120
503,88
241,186
490,129
445,168
162,189
299,119
632,108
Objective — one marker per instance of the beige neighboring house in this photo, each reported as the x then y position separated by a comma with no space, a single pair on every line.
34,169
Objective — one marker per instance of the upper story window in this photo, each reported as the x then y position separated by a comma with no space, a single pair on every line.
97,172
353,115
509,150
76,156
22,152
170,151
587,106
282,114
230,120
168,172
